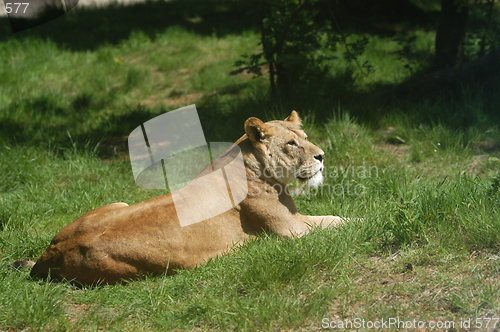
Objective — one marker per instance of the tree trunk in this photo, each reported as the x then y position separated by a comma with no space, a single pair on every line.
450,33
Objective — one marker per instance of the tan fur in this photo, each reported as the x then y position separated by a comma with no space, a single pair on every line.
117,241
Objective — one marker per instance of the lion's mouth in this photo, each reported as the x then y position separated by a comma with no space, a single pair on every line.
313,180
306,178
311,173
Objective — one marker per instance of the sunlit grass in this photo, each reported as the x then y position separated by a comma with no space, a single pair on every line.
387,67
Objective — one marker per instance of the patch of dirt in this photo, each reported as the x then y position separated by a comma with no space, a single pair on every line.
400,151
476,167
181,100
487,146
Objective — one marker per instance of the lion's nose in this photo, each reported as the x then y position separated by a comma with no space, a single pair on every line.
320,157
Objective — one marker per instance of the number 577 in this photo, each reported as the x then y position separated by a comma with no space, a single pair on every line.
9,7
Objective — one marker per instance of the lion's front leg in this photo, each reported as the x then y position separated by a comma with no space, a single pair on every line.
322,222
326,221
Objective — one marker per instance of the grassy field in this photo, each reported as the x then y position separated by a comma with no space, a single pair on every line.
423,173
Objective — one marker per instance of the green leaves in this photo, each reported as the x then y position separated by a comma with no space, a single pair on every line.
297,44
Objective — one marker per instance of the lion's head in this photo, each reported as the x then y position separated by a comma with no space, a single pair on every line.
283,153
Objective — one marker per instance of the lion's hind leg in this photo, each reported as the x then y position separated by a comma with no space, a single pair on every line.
64,246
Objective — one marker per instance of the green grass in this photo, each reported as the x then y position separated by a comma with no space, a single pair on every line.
420,173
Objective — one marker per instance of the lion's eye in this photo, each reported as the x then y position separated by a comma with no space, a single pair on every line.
293,143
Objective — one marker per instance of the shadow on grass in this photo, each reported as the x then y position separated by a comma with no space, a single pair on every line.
88,28
47,121
223,113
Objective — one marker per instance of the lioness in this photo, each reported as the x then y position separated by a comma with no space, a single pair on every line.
118,242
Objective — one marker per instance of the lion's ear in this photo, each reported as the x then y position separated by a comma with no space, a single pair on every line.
257,130
294,118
